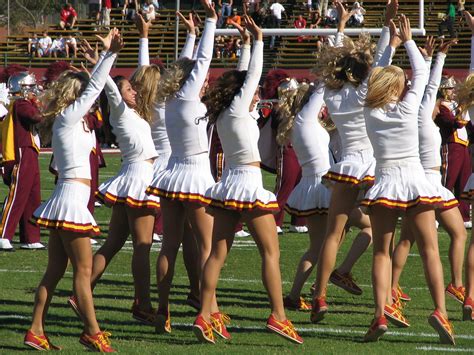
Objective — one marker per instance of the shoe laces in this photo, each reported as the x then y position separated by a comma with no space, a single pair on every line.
107,336
225,318
289,328
303,304
43,341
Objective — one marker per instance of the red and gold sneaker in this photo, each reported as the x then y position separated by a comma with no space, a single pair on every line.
378,328
395,316
285,329
319,309
145,317
218,323
39,342
468,309
402,295
456,293
203,330
300,305
99,342
163,321
72,301
443,326
346,282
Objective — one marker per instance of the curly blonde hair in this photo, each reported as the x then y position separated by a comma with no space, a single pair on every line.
291,103
350,63
145,81
385,86
61,93
174,78
465,93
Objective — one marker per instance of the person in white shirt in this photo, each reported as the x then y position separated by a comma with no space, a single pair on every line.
276,10
44,45
391,115
240,195
58,46
183,184
465,96
65,213
70,44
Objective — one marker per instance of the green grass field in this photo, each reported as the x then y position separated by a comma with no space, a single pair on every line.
240,294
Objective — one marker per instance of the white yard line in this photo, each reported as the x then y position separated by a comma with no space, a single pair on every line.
453,350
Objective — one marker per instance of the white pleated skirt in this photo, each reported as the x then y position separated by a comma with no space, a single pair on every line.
66,209
401,187
468,193
184,179
355,168
241,189
160,163
309,197
129,187
449,201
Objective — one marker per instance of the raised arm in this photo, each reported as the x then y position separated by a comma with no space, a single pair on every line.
315,103
385,36
188,48
244,59
470,23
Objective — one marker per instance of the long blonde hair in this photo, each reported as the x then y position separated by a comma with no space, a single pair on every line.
61,93
291,103
174,78
350,63
385,86
465,93
145,81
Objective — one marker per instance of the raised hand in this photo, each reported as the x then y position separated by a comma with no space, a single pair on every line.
106,41
343,14
143,26
188,22
243,32
469,20
89,53
209,8
428,49
117,42
395,39
405,29
391,11
444,46
253,28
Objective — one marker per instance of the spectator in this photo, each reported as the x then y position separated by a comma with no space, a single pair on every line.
331,16
105,9
58,47
130,9
235,17
447,22
315,17
148,10
44,45
71,44
68,17
323,7
276,10
357,18
226,11
300,22
94,9
33,44
252,6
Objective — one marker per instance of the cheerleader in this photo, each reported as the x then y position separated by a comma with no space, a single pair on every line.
465,95
182,185
66,213
345,78
400,185
133,211
240,195
448,214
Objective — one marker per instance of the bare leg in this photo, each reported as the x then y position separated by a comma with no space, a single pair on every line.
342,202
118,234
422,222
400,255
57,263
317,231
470,266
452,222
191,259
201,224
141,222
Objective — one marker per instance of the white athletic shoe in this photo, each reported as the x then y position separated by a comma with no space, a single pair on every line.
97,204
468,225
5,245
437,224
279,230
298,229
157,238
32,246
241,234
93,241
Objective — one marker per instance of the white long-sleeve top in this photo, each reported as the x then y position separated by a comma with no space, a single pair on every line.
309,139
471,70
186,130
132,132
72,140
393,129
428,133
346,105
244,59
237,129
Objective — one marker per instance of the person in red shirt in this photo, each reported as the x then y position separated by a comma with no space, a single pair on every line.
300,22
105,9
68,17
